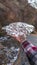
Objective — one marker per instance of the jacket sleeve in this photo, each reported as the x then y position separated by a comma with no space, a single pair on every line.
31,51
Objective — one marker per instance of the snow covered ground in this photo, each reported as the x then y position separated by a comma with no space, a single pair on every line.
33,3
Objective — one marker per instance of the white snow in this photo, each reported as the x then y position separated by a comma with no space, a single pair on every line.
19,28
33,3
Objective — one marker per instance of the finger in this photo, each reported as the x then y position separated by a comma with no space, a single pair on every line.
17,38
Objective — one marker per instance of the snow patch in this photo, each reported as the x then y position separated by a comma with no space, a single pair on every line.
33,3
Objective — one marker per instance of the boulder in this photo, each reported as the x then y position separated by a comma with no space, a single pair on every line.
17,10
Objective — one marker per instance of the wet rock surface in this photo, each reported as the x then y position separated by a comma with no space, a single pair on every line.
8,51
32,39
11,51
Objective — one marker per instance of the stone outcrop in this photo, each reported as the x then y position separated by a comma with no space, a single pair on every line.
17,10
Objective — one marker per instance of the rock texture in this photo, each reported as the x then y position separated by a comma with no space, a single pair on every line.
5,44
13,11
17,10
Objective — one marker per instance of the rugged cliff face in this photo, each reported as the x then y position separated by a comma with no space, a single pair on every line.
17,10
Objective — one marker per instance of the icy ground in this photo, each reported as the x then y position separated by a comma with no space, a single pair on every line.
33,3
